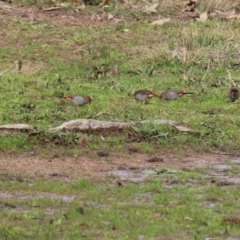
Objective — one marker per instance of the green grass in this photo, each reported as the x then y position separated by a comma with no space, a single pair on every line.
187,209
68,59
59,60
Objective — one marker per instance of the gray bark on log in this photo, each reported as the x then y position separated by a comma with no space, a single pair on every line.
96,125
16,127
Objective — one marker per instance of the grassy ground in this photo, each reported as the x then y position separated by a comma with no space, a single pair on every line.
110,61
169,205
48,54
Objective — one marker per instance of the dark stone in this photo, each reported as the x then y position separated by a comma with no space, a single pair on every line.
155,159
103,153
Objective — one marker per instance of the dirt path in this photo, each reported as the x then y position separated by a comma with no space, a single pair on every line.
92,165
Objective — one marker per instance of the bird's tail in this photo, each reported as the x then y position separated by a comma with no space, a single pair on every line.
181,93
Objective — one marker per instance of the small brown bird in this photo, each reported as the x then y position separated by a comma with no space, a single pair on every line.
233,94
172,95
144,95
79,100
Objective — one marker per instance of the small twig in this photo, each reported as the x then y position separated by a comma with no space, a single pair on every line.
210,61
9,68
231,55
208,68
205,74
99,114
18,65
52,8
150,86
230,78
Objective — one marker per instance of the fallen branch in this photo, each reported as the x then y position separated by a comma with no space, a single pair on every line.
230,78
96,125
16,127
93,125
52,8
89,125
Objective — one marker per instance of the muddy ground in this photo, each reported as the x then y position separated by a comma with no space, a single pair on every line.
95,165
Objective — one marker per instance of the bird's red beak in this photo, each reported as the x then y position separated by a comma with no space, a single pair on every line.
151,94
180,93
68,98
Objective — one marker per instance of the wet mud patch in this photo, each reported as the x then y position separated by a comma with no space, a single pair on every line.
221,178
6,177
224,173
122,165
37,195
99,189
19,198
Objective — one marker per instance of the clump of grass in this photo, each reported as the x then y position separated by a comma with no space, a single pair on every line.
217,5
39,2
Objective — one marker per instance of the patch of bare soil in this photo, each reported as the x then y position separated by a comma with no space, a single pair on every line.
55,17
59,17
92,165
